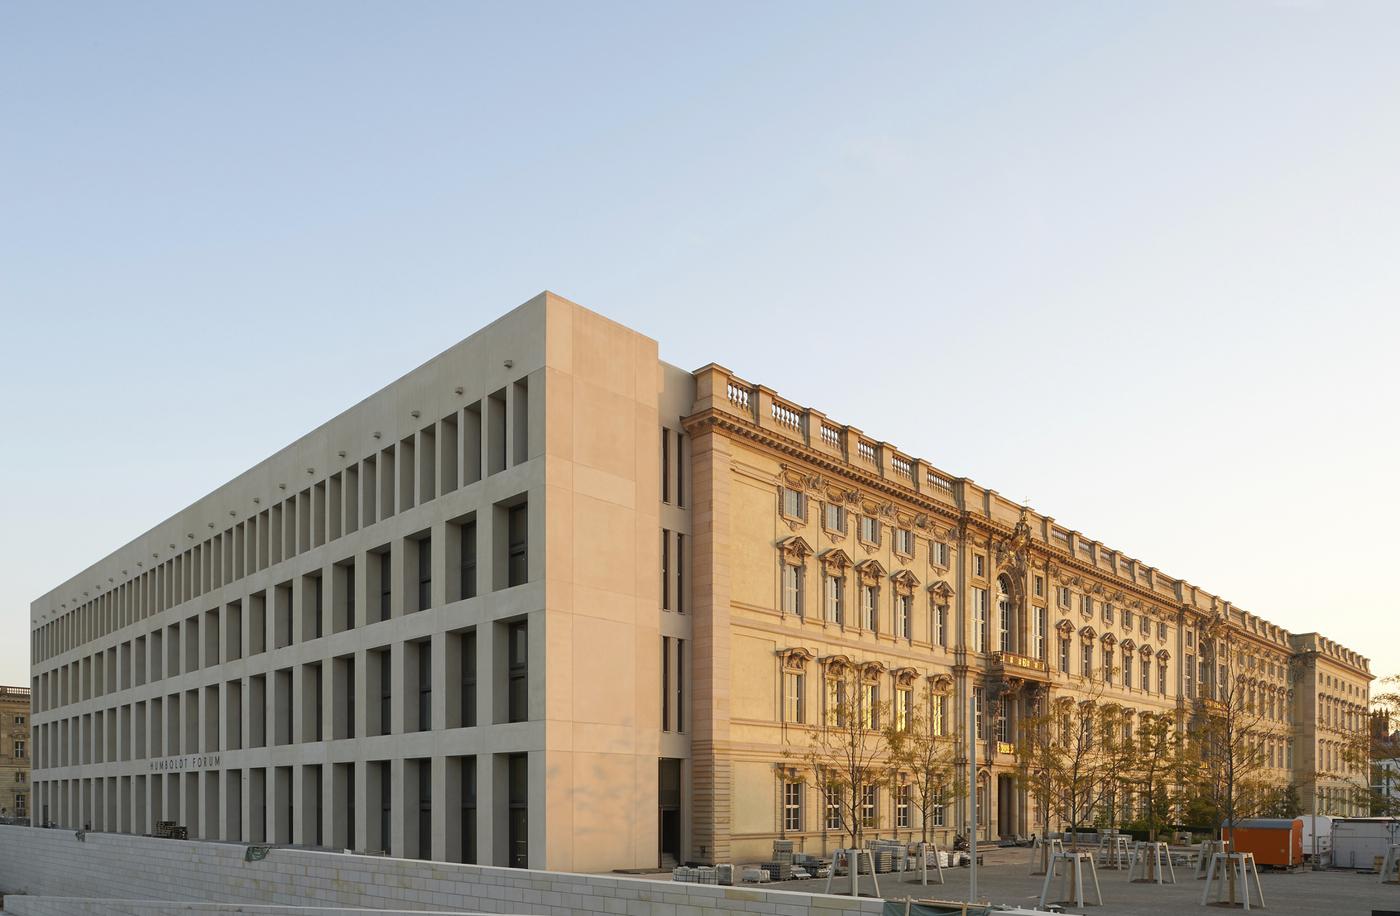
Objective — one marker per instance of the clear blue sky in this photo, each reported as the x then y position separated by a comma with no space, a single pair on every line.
1134,262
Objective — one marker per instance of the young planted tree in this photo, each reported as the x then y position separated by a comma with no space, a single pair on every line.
921,748
847,754
1157,766
1071,759
1371,753
1227,730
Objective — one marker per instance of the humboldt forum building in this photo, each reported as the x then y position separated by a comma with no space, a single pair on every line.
547,601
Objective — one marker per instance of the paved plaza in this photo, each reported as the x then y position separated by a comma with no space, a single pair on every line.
1004,878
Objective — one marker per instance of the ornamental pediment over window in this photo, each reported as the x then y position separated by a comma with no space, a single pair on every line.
1088,633
871,571
836,561
941,589
1164,655
795,550
872,670
1065,627
940,683
836,664
1128,645
905,677
796,657
799,479
1109,639
1145,651
904,581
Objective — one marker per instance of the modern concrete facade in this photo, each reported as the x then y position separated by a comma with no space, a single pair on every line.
548,600
14,752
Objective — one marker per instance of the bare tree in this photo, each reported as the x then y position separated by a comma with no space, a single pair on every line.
847,754
921,748
1157,766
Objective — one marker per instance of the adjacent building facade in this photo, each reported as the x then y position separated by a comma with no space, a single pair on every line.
550,601
14,752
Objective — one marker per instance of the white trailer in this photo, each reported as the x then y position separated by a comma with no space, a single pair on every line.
1358,841
1317,837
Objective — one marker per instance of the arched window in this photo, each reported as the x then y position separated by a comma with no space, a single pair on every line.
1004,609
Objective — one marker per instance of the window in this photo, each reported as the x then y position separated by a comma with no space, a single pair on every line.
425,573
979,565
833,808
19,720
1086,605
794,693
19,749
792,806
1107,612
836,702
903,707
1147,627
870,607
467,561
904,541
1087,659
1147,675
938,715
1038,621
1162,631
794,503
1127,668
468,827
1064,654
940,625
937,809
1062,595
1107,665
869,806
870,705
1040,586
904,616
518,706
1127,618
979,620
1162,680
977,705
518,528
468,666
901,805
792,589
386,585
938,553
1003,616
870,529
834,588
835,517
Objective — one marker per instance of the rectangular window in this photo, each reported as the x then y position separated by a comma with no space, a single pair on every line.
904,616
665,569
903,708
794,692
518,527
869,806
835,588
518,705
836,703
1064,655
870,705
938,715
1062,595
1086,605
870,529
870,607
937,809
1147,675
1039,618
679,559
1127,618
792,589
468,827
901,805
938,553
1107,612
1127,668
833,808
665,465
425,573
1107,665
979,565
466,563
467,662
940,625
977,717
794,503
1161,630
1087,659
836,517
904,541
386,580
1040,586
1162,683
425,685
792,806
979,620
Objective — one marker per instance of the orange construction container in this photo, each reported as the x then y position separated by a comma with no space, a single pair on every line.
1276,841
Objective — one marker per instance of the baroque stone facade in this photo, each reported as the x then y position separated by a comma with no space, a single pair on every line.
550,601
14,752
